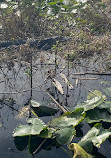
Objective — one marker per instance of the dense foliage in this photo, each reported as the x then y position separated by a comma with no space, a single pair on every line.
87,23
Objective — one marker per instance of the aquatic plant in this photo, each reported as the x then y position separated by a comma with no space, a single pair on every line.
62,130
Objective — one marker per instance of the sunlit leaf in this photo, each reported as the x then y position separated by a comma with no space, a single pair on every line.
79,152
86,141
35,103
96,136
34,127
97,115
41,109
65,135
68,119
58,86
96,93
91,103
101,137
22,130
0,125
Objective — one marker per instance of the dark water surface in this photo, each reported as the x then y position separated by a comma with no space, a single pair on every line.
17,80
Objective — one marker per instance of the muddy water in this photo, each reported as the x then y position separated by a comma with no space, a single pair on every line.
15,93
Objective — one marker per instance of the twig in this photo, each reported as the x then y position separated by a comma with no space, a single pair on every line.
91,73
62,108
39,146
90,91
9,92
86,78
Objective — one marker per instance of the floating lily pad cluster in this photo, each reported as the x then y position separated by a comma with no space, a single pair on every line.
61,130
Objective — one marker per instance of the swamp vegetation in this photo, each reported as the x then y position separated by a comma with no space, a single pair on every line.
55,77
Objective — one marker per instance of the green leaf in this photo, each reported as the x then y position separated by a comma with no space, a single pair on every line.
101,137
86,141
96,136
102,5
52,3
97,115
34,128
78,151
47,133
22,130
106,105
91,104
42,110
65,135
96,93
68,119
0,125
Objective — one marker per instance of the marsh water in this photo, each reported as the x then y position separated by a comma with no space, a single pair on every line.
15,92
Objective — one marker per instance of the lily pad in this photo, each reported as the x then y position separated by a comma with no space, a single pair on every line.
96,136
91,103
65,135
68,119
34,128
47,133
41,109
97,115
106,105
